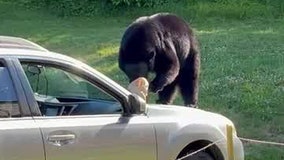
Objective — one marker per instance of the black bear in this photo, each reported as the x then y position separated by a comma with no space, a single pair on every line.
164,44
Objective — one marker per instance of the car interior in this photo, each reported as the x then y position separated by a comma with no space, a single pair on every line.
61,93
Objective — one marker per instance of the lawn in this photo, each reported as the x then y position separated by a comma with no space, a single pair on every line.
242,73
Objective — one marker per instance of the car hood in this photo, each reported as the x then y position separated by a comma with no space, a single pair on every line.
186,114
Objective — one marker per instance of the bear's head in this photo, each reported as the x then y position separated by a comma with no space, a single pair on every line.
138,51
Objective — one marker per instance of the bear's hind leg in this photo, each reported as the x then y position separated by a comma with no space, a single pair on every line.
188,80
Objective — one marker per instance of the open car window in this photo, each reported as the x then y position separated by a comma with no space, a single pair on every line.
60,92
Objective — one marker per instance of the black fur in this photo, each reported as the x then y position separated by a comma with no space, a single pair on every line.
163,44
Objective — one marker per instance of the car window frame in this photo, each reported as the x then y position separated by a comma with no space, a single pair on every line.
69,67
18,89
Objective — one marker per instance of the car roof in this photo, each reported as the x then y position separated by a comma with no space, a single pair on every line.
19,43
19,47
34,51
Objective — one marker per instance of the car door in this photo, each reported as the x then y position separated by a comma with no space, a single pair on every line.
82,120
20,137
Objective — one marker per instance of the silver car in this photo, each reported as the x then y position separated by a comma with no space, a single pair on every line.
53,107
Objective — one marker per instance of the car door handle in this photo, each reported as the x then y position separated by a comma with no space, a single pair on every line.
60,140
64,137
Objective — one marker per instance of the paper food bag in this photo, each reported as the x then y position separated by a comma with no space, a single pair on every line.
140,87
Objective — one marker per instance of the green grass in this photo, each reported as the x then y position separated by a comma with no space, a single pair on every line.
242,73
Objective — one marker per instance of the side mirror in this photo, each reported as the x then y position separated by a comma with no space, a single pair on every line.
137,104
